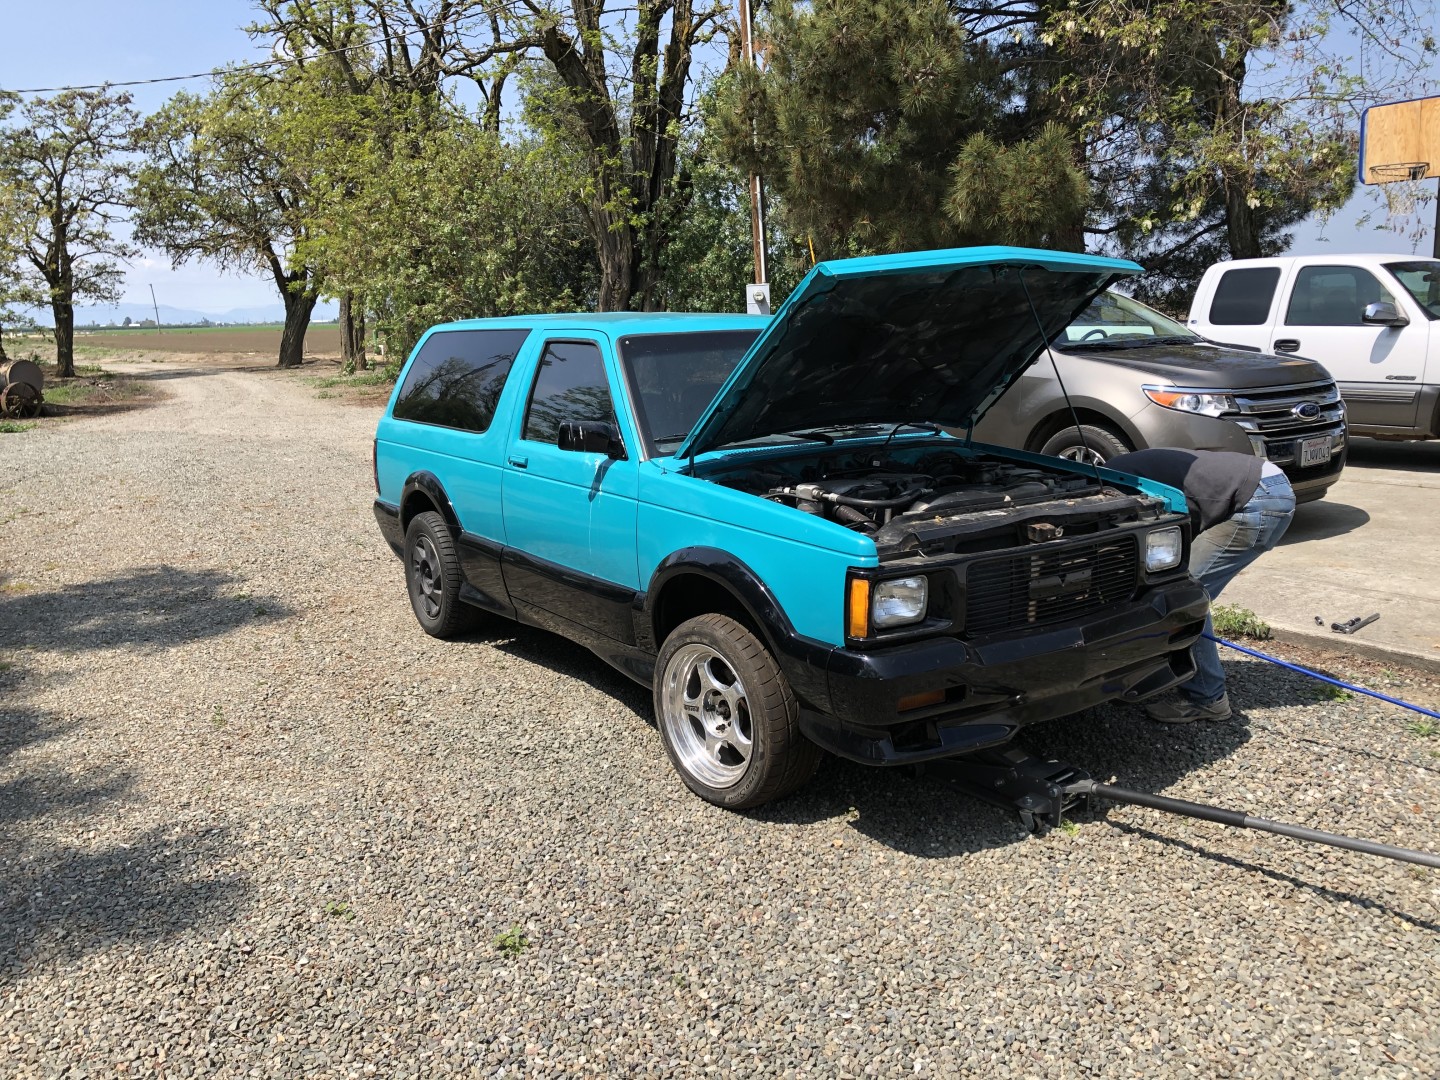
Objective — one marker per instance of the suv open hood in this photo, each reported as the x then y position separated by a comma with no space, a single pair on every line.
921,337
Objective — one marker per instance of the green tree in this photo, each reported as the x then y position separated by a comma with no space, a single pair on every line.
228,177
64,178
617,83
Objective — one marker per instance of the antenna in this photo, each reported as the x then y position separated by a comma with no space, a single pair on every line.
1044,337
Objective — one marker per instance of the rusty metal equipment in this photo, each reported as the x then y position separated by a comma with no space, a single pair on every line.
22,389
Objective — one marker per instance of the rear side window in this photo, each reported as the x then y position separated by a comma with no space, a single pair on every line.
456,378
570,384
1333,296
1242,298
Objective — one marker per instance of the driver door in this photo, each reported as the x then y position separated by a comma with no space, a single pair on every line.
570,515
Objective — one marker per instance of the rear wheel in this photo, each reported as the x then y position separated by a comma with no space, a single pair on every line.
727,716
433,576
1088,444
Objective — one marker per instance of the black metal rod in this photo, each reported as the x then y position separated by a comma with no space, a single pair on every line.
1240,820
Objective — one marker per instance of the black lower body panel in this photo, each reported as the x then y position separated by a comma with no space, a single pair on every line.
992,689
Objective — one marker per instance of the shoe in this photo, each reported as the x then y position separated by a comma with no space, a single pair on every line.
1180,710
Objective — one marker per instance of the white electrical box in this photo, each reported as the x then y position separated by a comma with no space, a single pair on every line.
757,299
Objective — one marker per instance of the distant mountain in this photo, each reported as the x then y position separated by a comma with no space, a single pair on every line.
106,314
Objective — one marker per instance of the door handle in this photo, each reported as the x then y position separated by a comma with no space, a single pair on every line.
519,462
1287,345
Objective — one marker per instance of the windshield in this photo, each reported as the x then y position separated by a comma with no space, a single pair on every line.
1421,279
1113,317
674,376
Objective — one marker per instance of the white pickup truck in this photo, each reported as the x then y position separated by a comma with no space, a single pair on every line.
1373,322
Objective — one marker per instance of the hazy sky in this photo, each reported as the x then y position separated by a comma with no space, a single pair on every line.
66,42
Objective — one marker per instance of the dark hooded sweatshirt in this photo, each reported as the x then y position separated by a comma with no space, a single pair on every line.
1216,483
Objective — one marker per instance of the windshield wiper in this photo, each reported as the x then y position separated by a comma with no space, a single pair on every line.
1136,342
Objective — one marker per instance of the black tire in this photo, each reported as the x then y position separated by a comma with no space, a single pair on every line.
1100,442
433,577
715,662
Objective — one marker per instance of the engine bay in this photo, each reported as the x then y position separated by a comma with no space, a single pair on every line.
922,496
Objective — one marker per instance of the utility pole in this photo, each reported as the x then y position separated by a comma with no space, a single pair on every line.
156,306
757,296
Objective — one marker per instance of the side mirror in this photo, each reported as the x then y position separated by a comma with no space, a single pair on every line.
1383,314
591,437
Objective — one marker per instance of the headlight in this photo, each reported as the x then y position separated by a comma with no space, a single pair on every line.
899,601
1186,401
1163,548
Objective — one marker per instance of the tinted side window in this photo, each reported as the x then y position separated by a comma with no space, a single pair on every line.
569,385
457,377
1333,296
1243,296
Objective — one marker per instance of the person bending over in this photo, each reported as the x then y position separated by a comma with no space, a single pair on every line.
1243,505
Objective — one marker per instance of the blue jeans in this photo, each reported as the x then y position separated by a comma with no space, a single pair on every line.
1221,552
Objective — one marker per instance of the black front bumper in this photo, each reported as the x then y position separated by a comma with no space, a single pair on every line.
992,688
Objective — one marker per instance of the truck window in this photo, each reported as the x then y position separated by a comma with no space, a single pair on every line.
1243,295
570,384
1421,279
1333,296
456,378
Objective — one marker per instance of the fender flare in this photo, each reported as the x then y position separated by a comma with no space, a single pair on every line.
805,661
428,484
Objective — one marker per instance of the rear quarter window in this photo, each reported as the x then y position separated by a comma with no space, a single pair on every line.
456,378
1243,296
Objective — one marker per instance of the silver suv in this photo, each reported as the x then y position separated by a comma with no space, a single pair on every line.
1138,379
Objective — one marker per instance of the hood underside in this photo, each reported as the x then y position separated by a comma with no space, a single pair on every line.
919,338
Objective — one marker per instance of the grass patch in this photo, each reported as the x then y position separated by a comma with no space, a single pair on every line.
1069,828
339,909
1232,620
512,942
13,427
1326,692
1425,728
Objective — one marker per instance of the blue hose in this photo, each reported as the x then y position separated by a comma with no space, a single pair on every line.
1323,678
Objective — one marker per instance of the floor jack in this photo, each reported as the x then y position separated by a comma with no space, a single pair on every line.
1044,791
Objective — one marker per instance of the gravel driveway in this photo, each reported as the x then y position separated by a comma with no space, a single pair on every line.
254,822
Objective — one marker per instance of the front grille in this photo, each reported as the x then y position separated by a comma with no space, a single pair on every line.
1049,585
1270,411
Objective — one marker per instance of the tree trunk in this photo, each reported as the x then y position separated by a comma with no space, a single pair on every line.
1240,226
3,357
616,248
352,336
298,307
64,312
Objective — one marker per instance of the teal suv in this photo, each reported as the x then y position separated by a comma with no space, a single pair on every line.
781,525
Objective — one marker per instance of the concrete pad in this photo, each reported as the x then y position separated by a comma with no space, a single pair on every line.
1369,546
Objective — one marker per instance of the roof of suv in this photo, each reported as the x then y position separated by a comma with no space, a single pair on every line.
618,323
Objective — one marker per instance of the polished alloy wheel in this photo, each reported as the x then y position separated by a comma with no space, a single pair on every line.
425,564
706,713
1083,454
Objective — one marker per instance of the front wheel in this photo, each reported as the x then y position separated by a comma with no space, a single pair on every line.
1088,444
727,716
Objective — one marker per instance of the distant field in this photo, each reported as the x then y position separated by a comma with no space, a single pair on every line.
209,339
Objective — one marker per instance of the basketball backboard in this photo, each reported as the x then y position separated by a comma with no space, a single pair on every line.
1400,141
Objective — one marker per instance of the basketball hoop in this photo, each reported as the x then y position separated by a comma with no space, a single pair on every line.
1400,170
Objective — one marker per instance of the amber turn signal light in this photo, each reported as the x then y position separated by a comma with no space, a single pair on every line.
919,701
857,618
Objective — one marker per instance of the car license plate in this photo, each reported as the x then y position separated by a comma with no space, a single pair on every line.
1314,451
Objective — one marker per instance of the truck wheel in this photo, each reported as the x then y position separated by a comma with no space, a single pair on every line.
1099,444
433,576
727,716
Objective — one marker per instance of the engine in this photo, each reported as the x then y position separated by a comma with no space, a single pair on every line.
867,495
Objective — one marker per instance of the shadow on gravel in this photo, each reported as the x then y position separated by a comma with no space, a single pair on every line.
1322,520
59,902
1334,895
564,657
153,606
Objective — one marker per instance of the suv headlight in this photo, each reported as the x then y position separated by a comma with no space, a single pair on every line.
898,601
1188,401
1163,549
